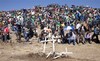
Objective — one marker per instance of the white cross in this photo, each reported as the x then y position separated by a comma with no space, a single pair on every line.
55,54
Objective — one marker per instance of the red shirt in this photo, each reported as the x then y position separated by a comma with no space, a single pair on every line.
6,30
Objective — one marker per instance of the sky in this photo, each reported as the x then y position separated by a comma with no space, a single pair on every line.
20,4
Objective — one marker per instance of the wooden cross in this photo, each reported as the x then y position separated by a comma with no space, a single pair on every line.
55,54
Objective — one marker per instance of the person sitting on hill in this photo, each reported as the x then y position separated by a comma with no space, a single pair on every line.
96,33
6,35
72,37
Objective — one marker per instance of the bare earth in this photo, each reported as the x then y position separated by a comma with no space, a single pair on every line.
26,51
30,51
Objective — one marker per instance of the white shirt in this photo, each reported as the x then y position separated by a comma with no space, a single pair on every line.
78,26
73,37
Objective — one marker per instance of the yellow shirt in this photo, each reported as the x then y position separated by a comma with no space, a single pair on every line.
62,25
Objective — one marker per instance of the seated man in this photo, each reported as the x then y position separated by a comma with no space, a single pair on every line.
72,37
6,35
56,38
96,34
88,37
26,34
80,38
42,36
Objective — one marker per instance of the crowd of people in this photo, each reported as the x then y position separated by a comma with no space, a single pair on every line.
70,24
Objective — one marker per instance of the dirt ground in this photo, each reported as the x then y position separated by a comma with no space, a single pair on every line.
30,51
